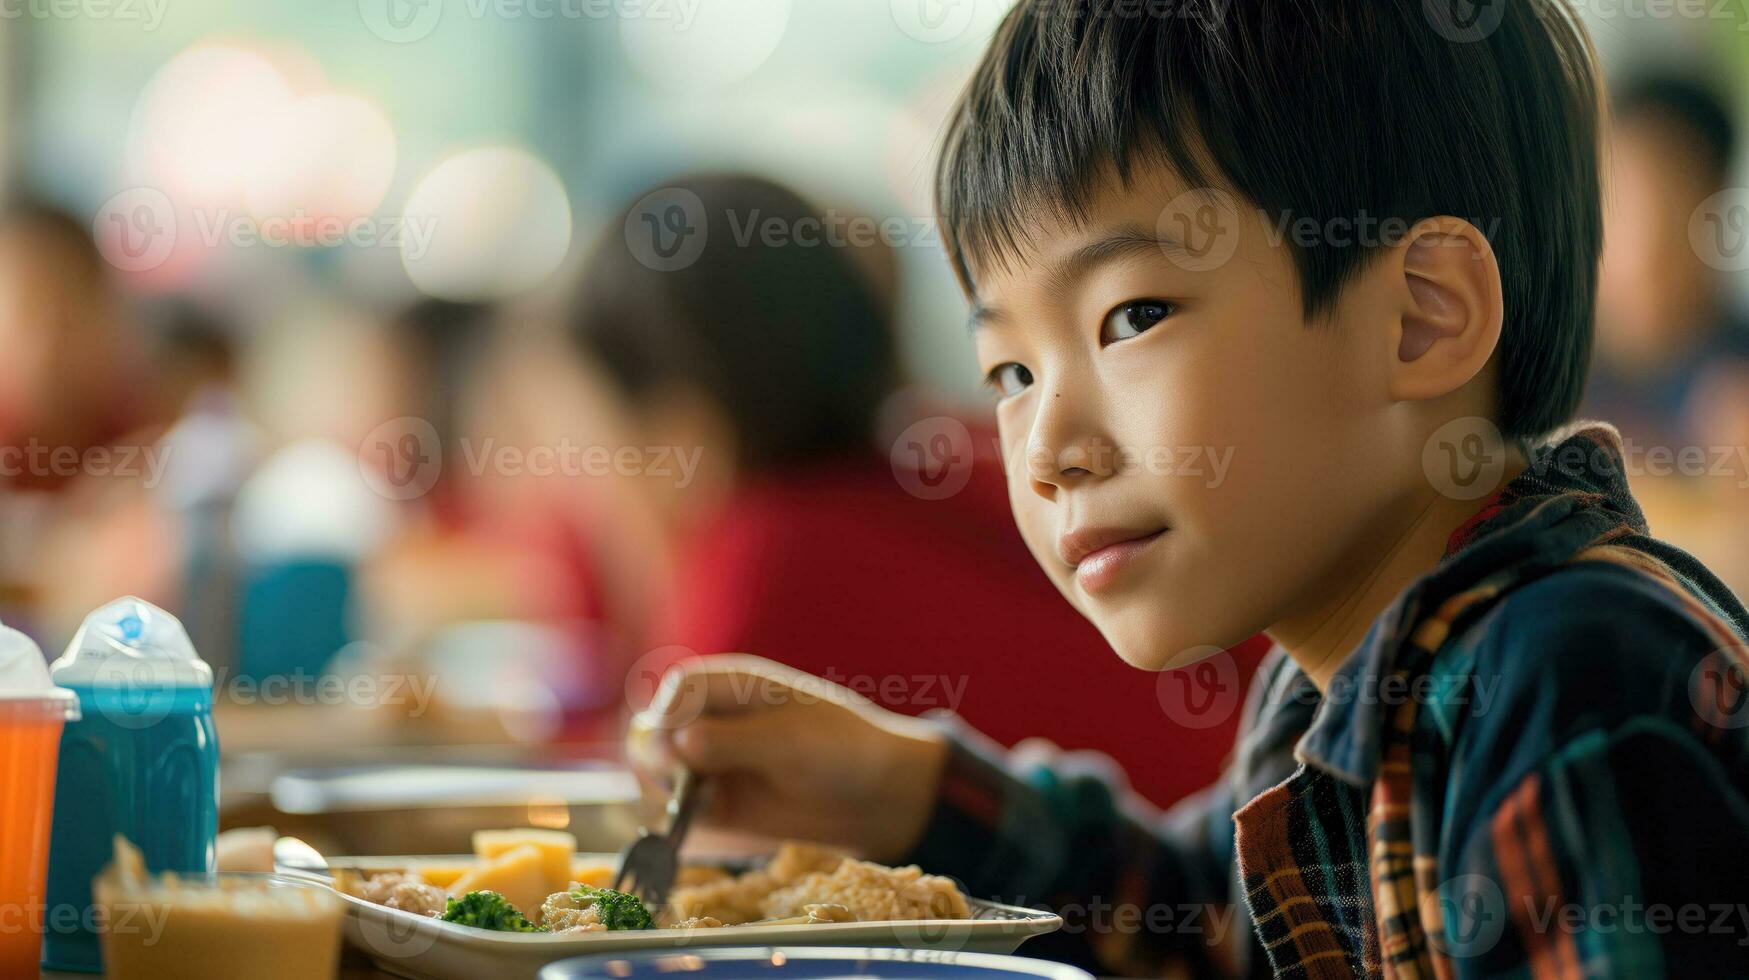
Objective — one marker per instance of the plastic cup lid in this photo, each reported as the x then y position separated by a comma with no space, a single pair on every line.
131,642
24,676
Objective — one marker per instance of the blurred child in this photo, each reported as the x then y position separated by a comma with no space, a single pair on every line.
458,554
210,450
1665,326
65,379
1672,363
77,433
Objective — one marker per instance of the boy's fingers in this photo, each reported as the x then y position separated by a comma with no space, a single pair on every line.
725,684
748,805
756,741
648,750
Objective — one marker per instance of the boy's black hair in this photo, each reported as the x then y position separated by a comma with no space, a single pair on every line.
1356,110
1689,102
789,336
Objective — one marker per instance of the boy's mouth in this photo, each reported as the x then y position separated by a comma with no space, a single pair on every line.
1100,554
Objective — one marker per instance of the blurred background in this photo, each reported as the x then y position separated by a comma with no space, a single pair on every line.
370,338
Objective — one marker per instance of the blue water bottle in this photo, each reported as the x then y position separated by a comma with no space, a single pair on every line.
143,762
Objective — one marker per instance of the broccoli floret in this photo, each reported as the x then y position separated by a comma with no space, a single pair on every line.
615,909
488,910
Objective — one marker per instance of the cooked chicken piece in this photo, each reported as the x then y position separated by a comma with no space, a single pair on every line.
740,899
571,912
409,893
871,893
826,912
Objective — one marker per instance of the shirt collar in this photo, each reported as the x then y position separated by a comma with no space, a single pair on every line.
1580,475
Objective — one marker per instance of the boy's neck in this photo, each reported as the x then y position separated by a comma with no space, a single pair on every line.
1321,639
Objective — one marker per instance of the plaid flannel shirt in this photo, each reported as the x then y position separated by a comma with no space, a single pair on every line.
1535,765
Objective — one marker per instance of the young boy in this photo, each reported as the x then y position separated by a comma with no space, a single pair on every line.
1354,241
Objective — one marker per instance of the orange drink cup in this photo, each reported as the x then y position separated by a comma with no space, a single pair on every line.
32,713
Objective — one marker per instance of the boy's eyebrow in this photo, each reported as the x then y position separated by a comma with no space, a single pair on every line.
982,316
1122,242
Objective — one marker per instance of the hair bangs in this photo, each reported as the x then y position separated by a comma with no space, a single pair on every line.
1041,127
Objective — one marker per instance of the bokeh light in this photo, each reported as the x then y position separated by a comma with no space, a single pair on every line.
196,124
329,155
485,223
723,42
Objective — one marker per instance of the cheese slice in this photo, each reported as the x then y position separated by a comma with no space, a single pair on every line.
442,875
593,875
518,874
556,848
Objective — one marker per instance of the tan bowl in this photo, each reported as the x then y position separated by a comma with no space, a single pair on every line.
260,926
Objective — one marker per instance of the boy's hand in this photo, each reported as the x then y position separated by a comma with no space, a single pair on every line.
791,755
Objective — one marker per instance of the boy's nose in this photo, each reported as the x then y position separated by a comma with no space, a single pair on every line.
1067,442
1058,469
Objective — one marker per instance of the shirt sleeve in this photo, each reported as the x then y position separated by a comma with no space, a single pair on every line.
1598,808
1141,893
1621,856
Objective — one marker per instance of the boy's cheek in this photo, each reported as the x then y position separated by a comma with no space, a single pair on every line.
1189,607
1038,529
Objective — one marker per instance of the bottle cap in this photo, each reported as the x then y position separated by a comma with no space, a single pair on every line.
24,678
131,643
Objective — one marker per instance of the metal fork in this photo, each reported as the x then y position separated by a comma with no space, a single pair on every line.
648,865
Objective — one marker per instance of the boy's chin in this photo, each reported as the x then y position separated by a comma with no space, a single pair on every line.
1160,648
1161,651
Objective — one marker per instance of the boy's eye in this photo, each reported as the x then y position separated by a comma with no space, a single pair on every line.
1134,319
1008,379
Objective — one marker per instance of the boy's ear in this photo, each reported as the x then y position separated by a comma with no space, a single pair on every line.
1451,311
